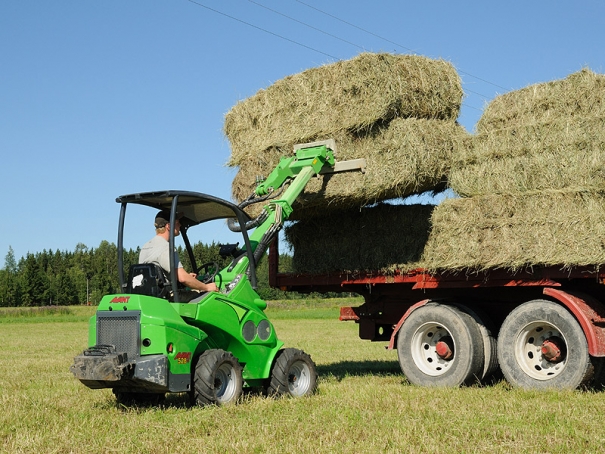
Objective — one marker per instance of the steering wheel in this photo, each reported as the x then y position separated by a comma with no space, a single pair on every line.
207,272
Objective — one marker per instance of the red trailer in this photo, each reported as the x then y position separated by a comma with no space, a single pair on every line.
544,327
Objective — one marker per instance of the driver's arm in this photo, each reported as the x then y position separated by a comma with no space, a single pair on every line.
190,280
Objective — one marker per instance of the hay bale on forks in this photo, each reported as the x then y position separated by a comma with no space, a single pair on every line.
352,95
408,156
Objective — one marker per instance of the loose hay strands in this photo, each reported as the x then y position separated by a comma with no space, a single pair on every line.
350,95
581,93
563,153
563,228
384,237
409,156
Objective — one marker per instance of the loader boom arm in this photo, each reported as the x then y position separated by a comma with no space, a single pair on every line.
295,172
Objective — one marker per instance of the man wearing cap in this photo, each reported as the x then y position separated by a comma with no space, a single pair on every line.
157,250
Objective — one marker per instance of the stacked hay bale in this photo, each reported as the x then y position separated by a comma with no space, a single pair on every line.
396,111
532,181
382,237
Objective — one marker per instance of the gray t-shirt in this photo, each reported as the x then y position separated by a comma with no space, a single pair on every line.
157,251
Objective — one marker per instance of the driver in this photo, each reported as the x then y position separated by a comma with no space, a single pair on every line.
157,251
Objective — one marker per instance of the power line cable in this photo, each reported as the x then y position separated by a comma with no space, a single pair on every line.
391,42
262,29
307,25
355,26
337,37
312,48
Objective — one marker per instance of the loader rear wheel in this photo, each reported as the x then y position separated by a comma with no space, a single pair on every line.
541,345
440,345
217,378
293,374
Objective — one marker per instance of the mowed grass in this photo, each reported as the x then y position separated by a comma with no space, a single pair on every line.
363,403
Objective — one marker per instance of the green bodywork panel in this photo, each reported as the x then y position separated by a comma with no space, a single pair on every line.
216,321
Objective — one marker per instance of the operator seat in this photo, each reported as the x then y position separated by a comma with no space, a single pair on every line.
147,279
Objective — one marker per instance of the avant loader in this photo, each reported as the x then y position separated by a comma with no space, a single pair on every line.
145,341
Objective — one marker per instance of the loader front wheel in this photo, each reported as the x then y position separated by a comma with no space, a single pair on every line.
217,379
293,374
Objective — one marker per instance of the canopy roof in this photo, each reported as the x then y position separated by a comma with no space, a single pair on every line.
195,206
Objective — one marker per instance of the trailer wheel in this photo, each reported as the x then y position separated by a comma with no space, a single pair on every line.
217,378
293,374
440,345
490,343
541,345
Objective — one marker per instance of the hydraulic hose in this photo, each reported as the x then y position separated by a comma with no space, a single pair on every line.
233,225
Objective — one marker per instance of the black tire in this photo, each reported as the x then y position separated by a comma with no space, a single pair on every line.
217,378
293,374
422,335
490,343
598,381
530,327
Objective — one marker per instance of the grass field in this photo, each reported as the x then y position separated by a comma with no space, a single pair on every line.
363,403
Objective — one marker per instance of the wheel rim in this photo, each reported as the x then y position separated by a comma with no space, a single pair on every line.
299,378
224,383
433,349
541,350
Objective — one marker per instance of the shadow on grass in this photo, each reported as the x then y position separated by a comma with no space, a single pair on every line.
344,369
170,400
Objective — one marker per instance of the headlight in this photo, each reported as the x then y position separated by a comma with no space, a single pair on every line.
231,285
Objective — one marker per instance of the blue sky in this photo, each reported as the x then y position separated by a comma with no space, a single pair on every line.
104,98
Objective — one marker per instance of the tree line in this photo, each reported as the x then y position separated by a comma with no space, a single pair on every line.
85,275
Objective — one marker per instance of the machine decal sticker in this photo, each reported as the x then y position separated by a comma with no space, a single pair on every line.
120,299
183,357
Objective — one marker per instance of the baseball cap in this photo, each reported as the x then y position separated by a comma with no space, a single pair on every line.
163,218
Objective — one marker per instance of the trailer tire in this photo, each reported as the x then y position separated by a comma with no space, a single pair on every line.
217,378
598,381
490,343
293,374
541,346
422,338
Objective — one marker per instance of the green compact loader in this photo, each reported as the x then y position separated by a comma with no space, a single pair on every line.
146,341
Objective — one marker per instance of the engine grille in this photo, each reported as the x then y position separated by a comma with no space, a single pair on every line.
120,329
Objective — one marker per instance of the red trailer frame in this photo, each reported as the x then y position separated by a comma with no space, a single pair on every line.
390,299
